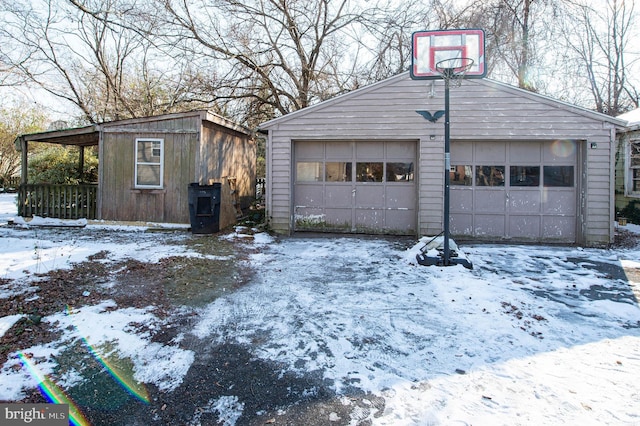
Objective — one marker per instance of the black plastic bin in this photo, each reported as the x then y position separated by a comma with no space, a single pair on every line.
204,208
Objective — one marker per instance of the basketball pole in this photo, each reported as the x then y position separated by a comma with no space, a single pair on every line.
447,167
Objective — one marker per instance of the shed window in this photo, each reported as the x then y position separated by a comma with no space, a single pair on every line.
634,166
149,163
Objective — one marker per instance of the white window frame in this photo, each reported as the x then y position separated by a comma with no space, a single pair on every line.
139,163
628,168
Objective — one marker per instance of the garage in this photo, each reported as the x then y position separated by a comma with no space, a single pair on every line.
520,190
523,167
355,186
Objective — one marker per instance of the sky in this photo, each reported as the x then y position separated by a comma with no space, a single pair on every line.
531,335
556,81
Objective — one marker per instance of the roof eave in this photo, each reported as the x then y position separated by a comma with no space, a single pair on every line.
79,136
225,122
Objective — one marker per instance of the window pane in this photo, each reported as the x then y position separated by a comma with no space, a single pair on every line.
524,175
148,151
558,176
148,175
338,172
369,172
309,171
489,175
635,154
399,172
636,180
461,175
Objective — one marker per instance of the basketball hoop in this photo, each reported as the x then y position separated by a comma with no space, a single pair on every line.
454,70
452,56
461,51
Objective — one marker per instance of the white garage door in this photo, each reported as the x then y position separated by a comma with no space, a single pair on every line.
365,187
524,191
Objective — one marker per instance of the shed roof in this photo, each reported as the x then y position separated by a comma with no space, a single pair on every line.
89,135
516,91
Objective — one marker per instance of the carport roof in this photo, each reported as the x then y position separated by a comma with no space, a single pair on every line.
90,135
80,136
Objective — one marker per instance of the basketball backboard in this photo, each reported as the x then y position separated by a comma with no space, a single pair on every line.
454,49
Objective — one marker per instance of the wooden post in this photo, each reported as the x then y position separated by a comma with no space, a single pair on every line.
80,163
23,165
22,191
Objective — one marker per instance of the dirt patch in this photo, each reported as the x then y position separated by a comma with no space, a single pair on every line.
625,239
174,281
48,294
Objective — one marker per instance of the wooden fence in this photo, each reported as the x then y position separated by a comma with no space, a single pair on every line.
9,184
58,201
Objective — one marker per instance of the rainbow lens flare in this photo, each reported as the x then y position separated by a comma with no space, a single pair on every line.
53,392
122,375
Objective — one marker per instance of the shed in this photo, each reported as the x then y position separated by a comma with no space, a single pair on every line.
147,164
523,167
628,166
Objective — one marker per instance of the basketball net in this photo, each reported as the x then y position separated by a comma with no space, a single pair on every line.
453,70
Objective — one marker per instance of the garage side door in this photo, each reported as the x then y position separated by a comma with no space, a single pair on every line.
524,191
364,187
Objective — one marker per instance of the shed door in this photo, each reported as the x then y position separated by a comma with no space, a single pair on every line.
366,187
514,190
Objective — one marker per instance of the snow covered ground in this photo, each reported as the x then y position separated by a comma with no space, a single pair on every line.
531,336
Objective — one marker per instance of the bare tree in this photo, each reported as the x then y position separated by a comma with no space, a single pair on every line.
106,71
602,38
518,32
280,55
14,122
389,34
251,60
256,59
41,55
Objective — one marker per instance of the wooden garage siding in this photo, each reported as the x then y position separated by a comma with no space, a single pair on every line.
279,186
599,189
431,197
480,109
